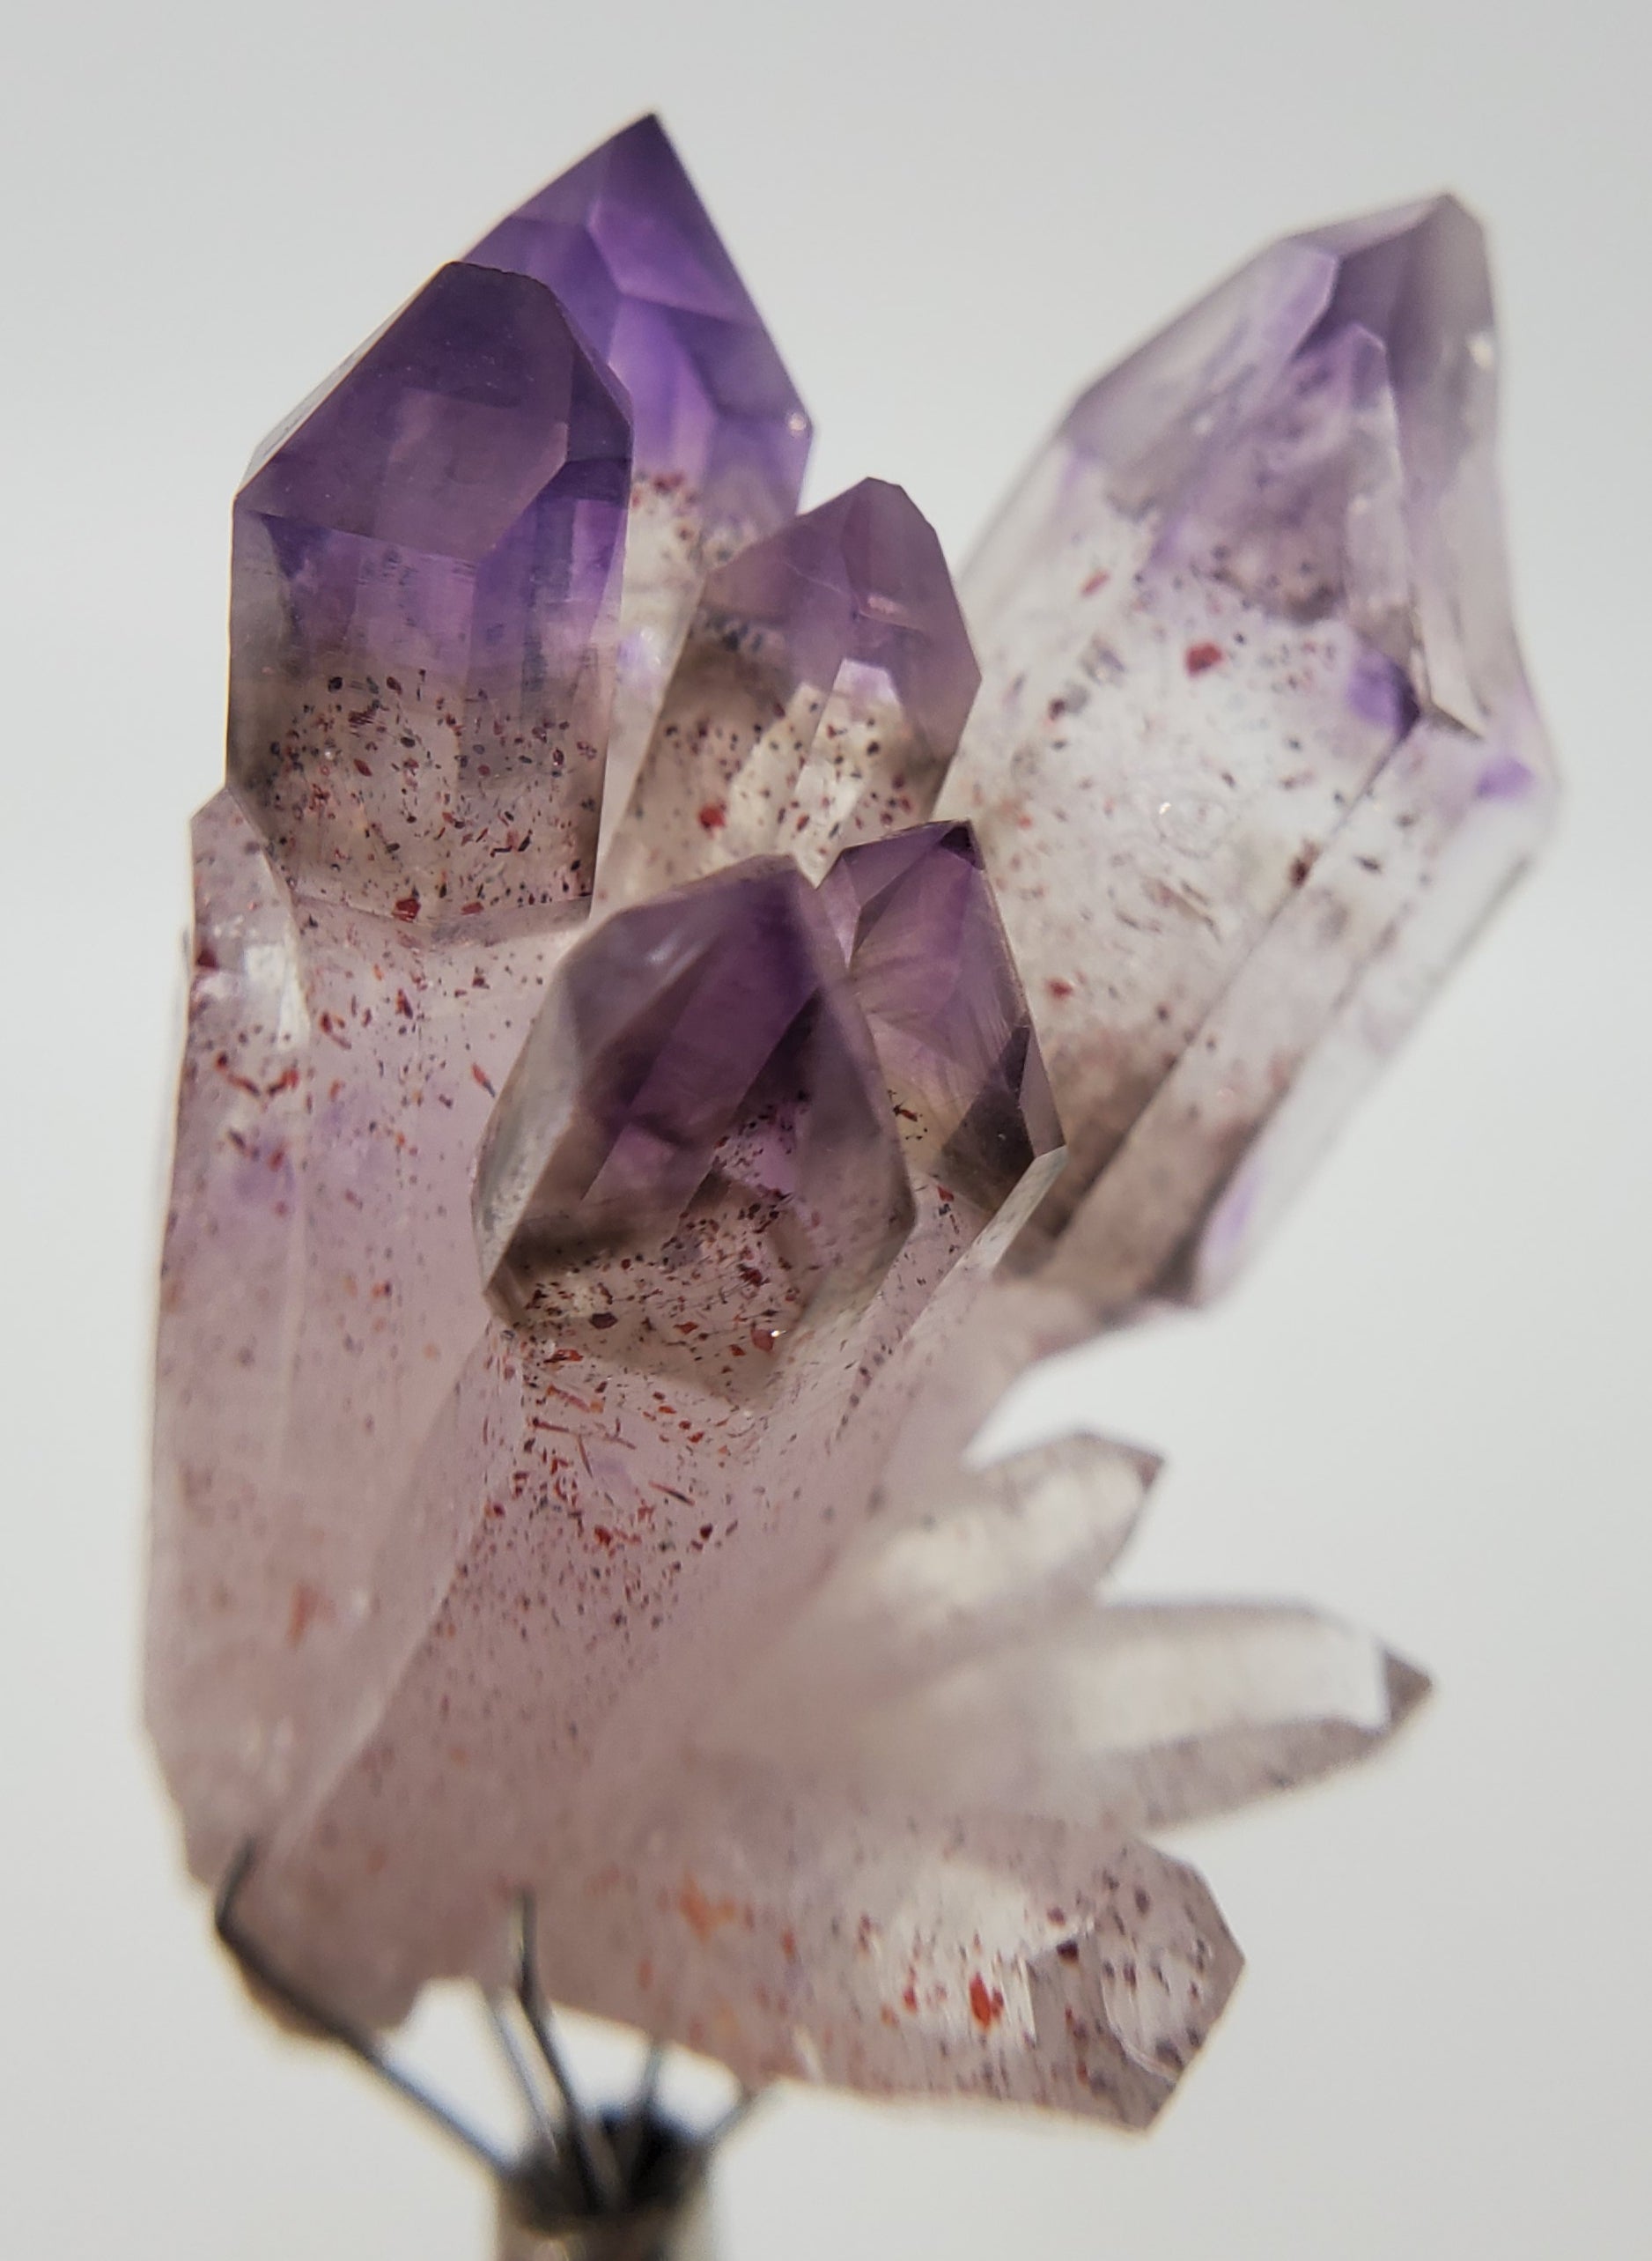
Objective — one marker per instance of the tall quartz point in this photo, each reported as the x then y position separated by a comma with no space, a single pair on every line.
820,695
424,613
425,571
698,1094
722,439
1255,753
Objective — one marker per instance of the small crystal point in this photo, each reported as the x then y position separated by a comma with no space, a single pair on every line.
698,1097
821,693
423,613
1149,1713
1057,1963
1254,752
933,1579
722,439
933,973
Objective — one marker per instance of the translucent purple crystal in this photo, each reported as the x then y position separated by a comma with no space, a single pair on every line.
693,1149
933,973
722,438
424,612
624,241
575,1310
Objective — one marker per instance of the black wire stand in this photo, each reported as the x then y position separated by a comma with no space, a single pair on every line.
625,2184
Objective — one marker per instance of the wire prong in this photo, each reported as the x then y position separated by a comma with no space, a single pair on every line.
524,2070
738,2112
308,2010
589,2141
628,2142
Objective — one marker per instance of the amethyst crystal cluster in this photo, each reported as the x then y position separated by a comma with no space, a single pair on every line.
685,1009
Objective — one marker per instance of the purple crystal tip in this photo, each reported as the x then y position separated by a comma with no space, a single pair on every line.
933,969
699,1100
452,423
1379,334
863,578
625,243
425,589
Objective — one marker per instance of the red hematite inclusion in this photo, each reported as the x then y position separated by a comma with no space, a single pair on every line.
986,2003
641,991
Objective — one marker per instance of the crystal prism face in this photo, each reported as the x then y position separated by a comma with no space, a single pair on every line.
935,979
822,688
319,1298
424,612
694,1151
1255,753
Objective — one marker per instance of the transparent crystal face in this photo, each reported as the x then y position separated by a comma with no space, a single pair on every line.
624,242
934,976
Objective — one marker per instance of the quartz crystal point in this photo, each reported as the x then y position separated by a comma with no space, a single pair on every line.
571,1326
1149,1713
697,1099
820,695
1255,753
935,979
423,610
378,906
929,1582
722,439
795,1931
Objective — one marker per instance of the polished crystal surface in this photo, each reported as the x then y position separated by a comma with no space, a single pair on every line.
820,695
588,1269
722,439
424,612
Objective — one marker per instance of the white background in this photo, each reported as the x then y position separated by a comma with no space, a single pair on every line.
1427,1410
